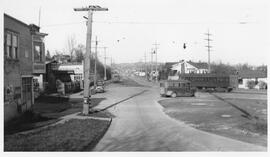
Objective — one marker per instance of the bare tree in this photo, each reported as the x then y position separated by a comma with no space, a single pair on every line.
79,52
71,44
48,56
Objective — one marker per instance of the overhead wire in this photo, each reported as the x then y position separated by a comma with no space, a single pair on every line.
147,23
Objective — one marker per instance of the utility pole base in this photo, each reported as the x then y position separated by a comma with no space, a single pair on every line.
86,105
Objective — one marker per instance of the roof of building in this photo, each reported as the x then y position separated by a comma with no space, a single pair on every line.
252,74
199,65
8,16
170,64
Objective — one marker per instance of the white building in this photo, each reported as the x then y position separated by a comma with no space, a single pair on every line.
251,75
78,71
187,67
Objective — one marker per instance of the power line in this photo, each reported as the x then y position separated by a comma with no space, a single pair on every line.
147,23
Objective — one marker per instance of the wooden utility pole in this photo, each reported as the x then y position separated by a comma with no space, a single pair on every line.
155,51
39,15
105,72
145,63
86,65
96,57
208,49
151,64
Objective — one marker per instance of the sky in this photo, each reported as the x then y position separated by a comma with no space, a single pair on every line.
239,28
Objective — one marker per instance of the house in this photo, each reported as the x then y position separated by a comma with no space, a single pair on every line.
251,75
78,71
20,52
54,73
184,67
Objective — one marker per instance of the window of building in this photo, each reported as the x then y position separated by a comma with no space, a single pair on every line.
37,52
11,45
240,81
14,46
8,45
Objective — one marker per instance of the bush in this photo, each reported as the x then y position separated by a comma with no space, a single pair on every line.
262,85
250,84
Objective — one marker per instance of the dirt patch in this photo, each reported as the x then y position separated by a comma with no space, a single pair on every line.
74,135
220,118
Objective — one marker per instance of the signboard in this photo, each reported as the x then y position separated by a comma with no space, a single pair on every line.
39,68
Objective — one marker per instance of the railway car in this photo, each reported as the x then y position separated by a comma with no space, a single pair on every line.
211,81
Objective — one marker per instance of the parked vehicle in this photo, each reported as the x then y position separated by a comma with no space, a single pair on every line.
211,81
100,88
176,88
115,78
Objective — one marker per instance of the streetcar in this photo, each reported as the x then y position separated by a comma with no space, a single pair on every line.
221,82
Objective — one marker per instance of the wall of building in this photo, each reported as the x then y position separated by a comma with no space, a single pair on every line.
243,85
15,69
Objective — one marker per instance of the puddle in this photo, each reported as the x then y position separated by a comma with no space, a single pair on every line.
226,116
199,104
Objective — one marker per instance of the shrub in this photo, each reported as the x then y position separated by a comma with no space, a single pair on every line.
262,85
251,84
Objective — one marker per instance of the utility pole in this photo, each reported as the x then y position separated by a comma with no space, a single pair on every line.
86,66
39,15
96,57
105,72
155,51
145,66
151,65
111,63
208,49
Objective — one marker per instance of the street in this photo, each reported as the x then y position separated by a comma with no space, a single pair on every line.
141,125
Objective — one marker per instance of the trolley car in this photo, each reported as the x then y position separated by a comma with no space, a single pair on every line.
211,81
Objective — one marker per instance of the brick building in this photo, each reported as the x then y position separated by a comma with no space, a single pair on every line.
19,59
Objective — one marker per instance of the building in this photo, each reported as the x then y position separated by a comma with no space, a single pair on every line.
39,67
187,67
65,73
20,51
251,75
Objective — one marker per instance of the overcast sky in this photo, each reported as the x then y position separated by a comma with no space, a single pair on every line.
239,28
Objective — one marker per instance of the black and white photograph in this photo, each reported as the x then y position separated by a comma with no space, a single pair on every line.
134,76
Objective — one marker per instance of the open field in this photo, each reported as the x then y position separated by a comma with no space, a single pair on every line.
241,116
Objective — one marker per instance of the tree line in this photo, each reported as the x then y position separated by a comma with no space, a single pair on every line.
74,54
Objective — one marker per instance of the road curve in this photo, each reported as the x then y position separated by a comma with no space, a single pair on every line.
141,125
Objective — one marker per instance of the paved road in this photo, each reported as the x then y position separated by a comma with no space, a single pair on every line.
141,125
